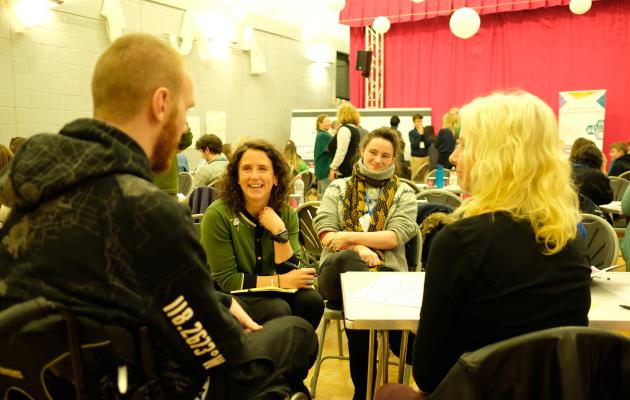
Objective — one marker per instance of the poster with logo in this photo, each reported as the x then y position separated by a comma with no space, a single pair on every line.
582,114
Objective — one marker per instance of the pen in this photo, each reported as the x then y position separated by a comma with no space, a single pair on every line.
627,307
296,267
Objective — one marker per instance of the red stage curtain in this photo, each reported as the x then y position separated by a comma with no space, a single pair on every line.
542,51
362,12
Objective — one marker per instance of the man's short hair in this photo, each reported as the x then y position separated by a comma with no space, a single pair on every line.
589,155
394,121
127,74
416,116
211,142
619,146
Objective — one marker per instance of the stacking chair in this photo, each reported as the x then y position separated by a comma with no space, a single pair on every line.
308,177
329,315
420,175
184,183
618,186
47,352
625,175
431,174
575,363
410,183
201,198
602,245
440,196
309,240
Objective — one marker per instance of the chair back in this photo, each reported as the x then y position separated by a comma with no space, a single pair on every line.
431,174
575,363
308,178
618,186
309,240
602,245
201,198
46,352
625,175
421,173
184,183
440,196
413,252
411,184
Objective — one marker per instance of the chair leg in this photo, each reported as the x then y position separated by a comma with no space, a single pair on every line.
318,362
339,338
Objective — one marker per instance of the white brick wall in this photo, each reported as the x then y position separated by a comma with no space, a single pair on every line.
45,74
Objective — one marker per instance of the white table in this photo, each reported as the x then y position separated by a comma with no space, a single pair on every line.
605,313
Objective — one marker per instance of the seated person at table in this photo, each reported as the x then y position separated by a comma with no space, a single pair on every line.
251,237
89,230
588,177
364,222
210,147
511,263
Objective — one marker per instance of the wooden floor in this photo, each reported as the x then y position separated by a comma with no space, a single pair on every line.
334,381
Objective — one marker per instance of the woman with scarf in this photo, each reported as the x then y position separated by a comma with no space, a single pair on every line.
363,222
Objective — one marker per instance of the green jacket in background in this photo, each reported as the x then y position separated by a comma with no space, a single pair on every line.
625,241
167,181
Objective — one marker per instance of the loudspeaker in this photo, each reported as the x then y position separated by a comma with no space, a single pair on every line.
364,62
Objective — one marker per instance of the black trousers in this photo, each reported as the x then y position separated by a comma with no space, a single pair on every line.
275,363
358,340
263,307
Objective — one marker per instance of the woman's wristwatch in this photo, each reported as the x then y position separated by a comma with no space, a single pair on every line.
281,237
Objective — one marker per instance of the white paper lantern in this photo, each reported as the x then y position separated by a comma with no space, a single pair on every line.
465,22
381,24
580,7
337,5
417,1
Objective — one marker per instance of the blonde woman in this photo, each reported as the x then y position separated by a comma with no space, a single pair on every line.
511,263
293,158
344,145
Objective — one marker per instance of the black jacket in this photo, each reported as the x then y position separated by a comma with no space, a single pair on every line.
88,229
593,184
620,165
345,168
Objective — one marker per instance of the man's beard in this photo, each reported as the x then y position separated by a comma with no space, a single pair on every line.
166,146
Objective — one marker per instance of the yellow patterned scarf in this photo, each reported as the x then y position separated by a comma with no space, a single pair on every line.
354,206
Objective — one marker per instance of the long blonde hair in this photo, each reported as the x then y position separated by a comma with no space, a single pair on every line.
511,143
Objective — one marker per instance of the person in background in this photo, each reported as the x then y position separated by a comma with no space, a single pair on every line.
344,145
625,240
429,130
420,144
620,159
251,237
577,144
293,159
322,158
588,176
445,142
402,166
227,150
364,222
334,126
15,143
210,147
5,156
512,262
167,180
182,163
108,244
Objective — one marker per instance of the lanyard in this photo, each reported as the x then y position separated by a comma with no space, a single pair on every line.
367,202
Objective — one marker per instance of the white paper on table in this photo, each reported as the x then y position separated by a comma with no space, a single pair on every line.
392,290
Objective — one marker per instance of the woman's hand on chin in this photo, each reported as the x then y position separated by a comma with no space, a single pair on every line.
271,221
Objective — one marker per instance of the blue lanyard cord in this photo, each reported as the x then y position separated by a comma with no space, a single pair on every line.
367,202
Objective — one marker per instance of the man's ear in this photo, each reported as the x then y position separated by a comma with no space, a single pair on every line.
160,104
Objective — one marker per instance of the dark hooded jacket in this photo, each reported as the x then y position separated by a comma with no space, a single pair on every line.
90,230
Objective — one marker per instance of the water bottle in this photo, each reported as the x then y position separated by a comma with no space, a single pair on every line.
439,176
453,177
298,189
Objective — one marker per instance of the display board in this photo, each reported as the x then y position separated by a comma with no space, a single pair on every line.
582,114
303,130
